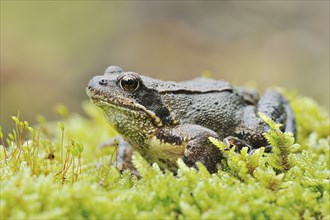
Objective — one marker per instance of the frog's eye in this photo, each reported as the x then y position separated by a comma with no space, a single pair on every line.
129,83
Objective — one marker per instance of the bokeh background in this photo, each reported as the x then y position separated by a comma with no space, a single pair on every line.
50,49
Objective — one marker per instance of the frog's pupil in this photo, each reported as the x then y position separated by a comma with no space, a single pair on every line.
129,84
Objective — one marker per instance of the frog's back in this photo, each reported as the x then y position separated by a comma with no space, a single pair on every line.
218,111
213,104
197,85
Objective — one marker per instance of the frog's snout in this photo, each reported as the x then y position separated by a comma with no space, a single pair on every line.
97,82
95,85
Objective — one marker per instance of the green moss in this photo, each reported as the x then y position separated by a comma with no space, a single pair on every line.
57,170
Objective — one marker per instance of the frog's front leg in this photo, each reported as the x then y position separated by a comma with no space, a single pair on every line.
198,148
124,152
124,155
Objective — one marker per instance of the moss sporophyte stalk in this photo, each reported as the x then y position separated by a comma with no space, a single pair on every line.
291,182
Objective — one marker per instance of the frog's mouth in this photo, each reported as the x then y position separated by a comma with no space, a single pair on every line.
98,99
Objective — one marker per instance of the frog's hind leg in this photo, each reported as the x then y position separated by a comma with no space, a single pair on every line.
290,123
272,104
276,106
252,128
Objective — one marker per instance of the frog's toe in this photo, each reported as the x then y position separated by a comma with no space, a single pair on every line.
268,149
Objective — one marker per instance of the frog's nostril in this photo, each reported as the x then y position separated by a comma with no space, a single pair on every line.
103,82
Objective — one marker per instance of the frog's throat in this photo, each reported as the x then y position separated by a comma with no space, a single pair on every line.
127,104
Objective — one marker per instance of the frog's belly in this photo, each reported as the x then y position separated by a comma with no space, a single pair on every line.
164,154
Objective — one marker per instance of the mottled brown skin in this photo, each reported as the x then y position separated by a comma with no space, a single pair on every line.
166,120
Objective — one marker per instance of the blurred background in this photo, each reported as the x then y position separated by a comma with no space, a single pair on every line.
50,49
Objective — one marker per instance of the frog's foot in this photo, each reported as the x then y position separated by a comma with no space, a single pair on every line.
238,144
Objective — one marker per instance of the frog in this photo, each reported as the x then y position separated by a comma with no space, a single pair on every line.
165,121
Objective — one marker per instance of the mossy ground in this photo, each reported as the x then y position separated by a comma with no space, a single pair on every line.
57,170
